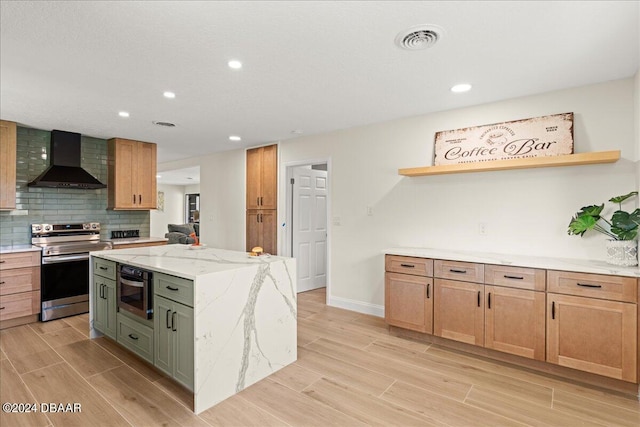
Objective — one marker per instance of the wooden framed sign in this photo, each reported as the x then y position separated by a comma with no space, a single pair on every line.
534,137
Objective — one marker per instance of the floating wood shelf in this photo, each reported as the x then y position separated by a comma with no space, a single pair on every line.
526,163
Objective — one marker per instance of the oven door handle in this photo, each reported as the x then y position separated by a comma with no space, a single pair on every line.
56,259
133,283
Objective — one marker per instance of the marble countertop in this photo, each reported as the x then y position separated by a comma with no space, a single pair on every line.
19,248
131,240
183,260
565,264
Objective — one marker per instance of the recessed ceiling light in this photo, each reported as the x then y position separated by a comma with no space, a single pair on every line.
235,64
235,138
169,95
158,176
123,114
463,87
297,131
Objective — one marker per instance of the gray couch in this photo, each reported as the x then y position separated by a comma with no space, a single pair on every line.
179,233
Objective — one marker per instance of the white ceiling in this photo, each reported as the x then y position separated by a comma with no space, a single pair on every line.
309,65
186,176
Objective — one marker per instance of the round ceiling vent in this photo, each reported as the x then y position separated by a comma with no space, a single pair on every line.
165,124
420,37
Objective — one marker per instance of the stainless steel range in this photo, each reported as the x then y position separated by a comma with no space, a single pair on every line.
65,266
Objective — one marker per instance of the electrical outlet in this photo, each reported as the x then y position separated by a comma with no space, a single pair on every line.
482,228
336,220
369,211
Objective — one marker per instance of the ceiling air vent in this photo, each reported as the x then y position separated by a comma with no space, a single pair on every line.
420,37
165,124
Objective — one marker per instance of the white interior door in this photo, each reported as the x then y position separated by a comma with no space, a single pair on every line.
310,227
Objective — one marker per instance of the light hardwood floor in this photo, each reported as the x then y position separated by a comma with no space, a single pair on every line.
350,372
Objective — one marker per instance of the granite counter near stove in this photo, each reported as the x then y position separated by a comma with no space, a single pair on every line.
244,313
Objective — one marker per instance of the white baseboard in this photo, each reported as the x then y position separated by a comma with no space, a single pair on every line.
358,306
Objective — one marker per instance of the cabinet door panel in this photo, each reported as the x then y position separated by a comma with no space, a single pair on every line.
409,302
8,149
183,343
162,355
459,311
20,280
254,177
269,190
254,237
514,321
145,182
269,231
592,335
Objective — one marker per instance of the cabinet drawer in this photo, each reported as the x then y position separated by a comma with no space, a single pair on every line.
19,260
457,270
174,288
20,280
19,305
409,265
614,288
136,337
515,277
104,268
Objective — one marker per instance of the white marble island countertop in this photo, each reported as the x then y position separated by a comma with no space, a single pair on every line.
185,261
565,264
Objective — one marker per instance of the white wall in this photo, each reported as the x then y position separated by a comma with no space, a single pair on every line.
525,211
173,210
192,189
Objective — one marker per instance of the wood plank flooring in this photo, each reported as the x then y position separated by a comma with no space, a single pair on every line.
350,372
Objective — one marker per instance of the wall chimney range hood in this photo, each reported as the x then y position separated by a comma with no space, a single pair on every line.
65,170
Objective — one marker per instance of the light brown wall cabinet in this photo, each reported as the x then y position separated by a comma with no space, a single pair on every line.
262,177
19,288
582,321
409,293
8,140
132,175
262,198
262,230
592,323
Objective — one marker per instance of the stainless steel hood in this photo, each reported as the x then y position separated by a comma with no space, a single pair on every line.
65,170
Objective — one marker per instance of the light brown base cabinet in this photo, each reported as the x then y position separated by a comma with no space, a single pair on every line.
19,288
587,322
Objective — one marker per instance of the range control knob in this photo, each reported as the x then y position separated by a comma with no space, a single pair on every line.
94,225
47,227
86,226
36,227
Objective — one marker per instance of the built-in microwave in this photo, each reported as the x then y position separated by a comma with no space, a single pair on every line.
135,290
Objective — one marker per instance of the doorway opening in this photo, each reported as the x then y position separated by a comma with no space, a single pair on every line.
307,234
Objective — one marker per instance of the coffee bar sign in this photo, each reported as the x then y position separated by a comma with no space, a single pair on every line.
535,137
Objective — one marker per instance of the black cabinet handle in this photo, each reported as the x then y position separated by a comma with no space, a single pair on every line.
407,265
453,270
2,308
172,288
261,202
514,277
587,285
257,201
428,293
478,298
140,199
134,199
101,292
2,261
103,268
133,337
167,319
2,283
489,300
553,309
173,322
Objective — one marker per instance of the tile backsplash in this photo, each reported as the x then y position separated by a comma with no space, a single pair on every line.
56,205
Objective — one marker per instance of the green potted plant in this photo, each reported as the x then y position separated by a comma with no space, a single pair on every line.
622,229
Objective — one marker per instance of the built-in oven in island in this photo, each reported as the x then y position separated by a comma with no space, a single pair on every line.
134,291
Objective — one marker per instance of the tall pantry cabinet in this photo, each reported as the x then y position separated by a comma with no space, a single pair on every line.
262,198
